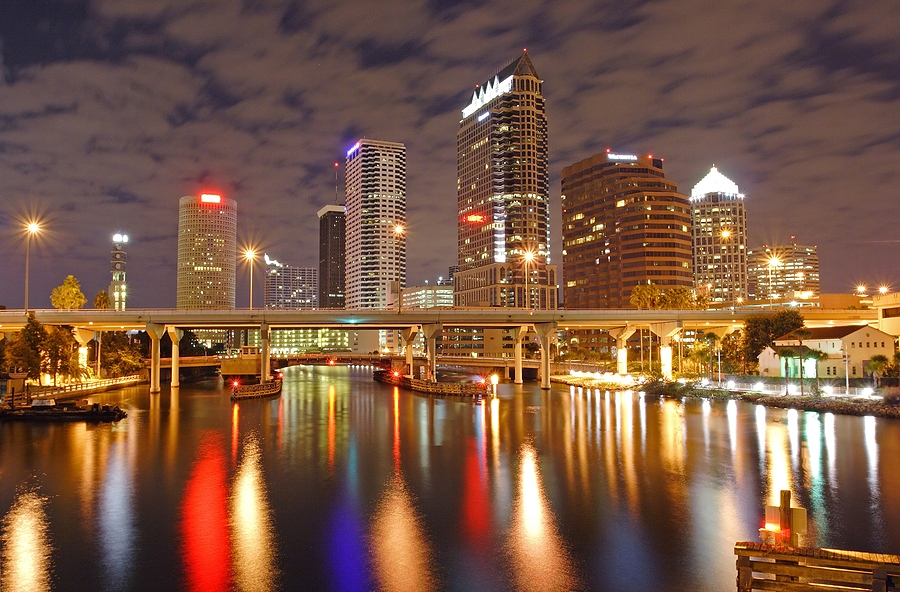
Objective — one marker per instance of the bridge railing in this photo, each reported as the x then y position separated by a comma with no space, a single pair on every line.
56,391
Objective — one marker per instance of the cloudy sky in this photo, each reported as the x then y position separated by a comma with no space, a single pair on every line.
110,110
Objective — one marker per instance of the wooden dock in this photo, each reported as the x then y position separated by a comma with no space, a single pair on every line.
454,389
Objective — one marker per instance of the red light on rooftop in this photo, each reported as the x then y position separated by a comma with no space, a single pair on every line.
210,198
336,165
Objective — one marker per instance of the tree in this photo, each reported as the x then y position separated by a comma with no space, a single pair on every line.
58,347
876,366
760,331
784,322
711,340
121,356
786,353
24,350
68,296
644,296
678,298
101,300
818,356
802,334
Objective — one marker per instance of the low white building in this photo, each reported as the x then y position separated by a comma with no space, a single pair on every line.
858,342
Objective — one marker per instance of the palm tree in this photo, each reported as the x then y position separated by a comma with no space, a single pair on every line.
819,356
802,334
786,354
711,343
876,366
644,296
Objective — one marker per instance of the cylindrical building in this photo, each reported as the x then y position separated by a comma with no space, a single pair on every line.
207,239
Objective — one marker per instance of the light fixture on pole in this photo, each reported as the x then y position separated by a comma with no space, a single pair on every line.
529,257
773,262
726,236
31,229
250,255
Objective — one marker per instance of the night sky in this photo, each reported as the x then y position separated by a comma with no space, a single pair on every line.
111,110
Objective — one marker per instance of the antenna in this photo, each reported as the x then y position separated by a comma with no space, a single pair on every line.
335,183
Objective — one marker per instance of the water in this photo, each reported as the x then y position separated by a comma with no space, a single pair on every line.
347,484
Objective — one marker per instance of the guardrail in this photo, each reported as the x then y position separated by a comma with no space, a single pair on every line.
782,568
792,388
55,392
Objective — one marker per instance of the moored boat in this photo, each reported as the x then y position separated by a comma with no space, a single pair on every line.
50,410
271,388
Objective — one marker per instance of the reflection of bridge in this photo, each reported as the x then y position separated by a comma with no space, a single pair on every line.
621,323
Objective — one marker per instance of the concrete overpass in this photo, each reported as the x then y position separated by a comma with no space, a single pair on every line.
621,323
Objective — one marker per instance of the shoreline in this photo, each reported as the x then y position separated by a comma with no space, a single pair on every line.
673,390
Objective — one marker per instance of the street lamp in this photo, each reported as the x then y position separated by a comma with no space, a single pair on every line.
250,255
726,235
774,262
883,290
31,229
529,257
398,232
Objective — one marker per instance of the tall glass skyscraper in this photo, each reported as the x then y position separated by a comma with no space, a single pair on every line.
376,224
503,194
207,239
719,239
332,256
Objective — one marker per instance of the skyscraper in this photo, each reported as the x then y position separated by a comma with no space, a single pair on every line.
782,273
719,239
624,224
503,194
118,289
289,286
207,238
332,259
375,224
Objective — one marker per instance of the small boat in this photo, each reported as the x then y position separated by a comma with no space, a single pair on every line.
271,388
50,410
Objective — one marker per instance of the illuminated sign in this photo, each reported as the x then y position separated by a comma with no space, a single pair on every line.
352,150
483,116
631,157
486,94
211,198
474,218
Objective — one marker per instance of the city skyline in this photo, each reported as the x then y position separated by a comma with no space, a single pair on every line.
113,111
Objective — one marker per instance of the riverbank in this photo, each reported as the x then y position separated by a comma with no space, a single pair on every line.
875,406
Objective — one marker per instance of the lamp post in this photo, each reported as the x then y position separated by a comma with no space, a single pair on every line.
398,232
31,229
774,262
726,236
250,256
529,257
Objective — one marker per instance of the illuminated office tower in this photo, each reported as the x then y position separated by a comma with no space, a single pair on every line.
332,257
783,273
375,224
624,224
118,289
289,286
719,239
503,194
207,233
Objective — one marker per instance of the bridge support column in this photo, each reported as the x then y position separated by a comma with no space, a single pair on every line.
155,332
545,333
665,332
431,332
175,334
409,335
264,353
520,337
621,336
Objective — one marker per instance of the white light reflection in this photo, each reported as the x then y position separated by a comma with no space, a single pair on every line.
26,561
116,519
761,434
401,556
872,456
731,410
707,409
539,557
831,450
253,544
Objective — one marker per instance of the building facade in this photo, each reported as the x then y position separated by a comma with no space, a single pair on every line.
289,286
375,224
207,239
848,350
624,224
332,259
719,236
783,273
118,289
503,194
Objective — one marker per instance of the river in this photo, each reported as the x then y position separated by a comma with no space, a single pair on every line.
347,484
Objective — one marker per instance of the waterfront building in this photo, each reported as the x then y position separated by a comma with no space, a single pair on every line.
332,237
375,224
848,350
290,286
503,194
207,239
783,273
624,224
118,289
719,237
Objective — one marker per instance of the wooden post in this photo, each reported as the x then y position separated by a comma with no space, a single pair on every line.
784,516
744,574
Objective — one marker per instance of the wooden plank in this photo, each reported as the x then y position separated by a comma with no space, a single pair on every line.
774,586
813,572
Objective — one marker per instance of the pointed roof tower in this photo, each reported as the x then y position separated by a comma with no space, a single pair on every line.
715,182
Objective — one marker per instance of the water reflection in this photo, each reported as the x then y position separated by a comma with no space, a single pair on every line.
253,544
204,521
116,520
540,560
401,555
26,559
